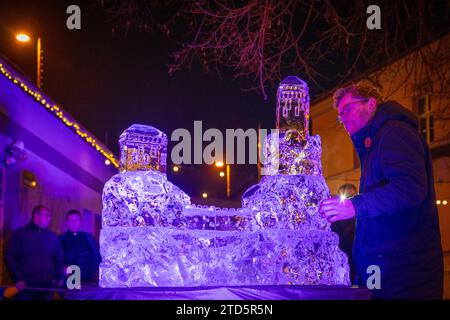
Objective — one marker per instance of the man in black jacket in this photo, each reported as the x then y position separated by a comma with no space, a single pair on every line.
34,257
80,248
397,225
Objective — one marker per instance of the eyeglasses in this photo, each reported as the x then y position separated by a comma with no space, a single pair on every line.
346,109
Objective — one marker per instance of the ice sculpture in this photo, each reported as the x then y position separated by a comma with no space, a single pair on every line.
288,196
141,195
293,106
153,236
143,148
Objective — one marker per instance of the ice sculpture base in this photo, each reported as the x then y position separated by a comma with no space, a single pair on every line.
163,257
276,292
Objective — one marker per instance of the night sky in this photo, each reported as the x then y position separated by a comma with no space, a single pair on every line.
108,80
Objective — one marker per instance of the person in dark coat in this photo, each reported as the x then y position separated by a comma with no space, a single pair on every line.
34,257
397,224
345,229
80,248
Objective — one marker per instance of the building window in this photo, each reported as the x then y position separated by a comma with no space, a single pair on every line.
426,118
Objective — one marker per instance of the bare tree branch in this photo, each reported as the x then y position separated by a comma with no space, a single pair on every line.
326,42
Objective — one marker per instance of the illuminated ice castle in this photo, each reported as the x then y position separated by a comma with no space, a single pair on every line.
143,148
153,236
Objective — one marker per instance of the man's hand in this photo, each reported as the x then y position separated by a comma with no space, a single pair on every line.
335,209
20,285
10,292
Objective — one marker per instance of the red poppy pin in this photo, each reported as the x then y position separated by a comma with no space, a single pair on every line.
367,142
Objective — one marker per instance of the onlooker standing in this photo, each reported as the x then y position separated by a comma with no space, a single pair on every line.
80,248
34,257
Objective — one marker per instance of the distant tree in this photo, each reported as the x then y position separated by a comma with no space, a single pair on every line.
326,42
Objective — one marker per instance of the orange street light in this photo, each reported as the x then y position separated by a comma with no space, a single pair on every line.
228,181
204,195
219,164
23,37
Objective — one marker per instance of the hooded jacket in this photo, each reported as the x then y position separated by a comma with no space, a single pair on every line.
397,225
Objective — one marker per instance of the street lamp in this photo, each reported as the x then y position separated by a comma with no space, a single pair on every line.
23,37
220,164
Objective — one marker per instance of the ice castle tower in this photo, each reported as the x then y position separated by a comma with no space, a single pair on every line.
288,196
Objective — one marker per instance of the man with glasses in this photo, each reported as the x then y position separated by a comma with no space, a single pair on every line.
34,257
397,226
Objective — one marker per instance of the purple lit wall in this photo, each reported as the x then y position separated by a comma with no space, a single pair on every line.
69,172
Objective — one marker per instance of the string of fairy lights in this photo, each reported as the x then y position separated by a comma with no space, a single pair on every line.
110,159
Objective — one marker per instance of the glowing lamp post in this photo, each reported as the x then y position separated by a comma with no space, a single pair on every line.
220,164
24,38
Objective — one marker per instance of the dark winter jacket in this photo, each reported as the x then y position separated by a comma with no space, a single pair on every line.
34,255
397,225
81,249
